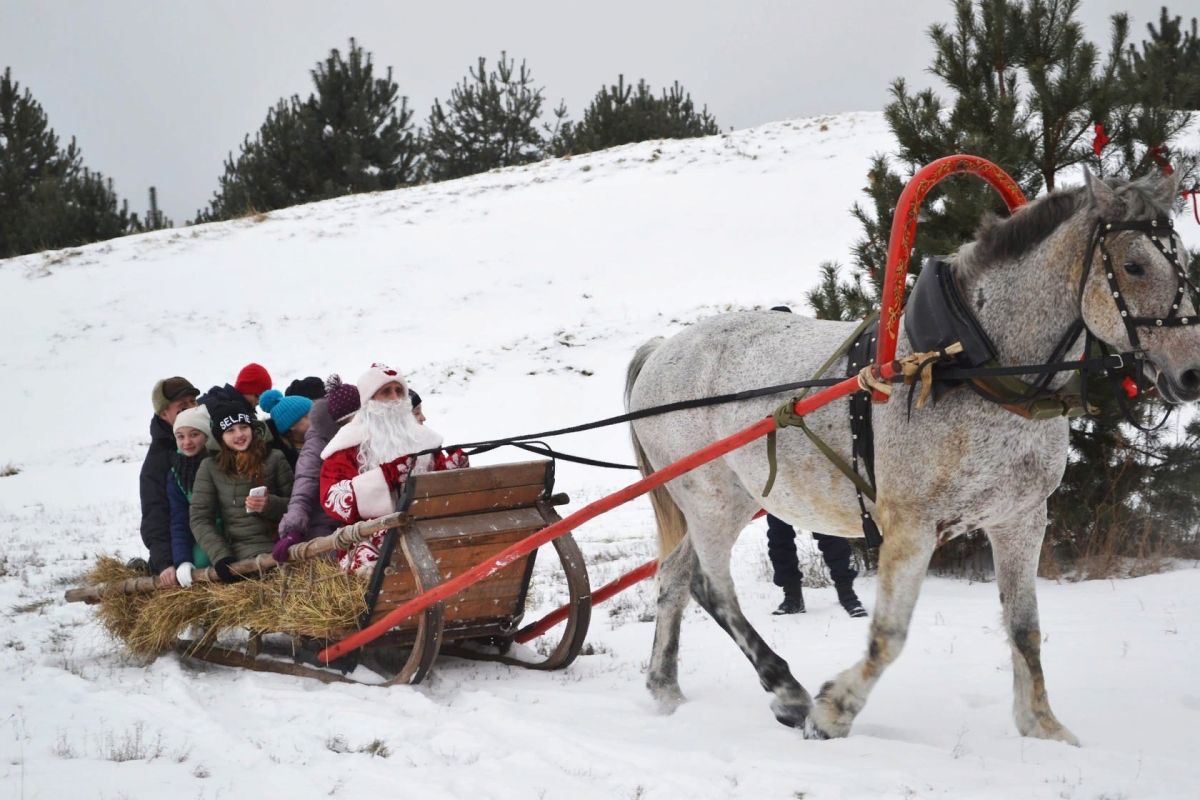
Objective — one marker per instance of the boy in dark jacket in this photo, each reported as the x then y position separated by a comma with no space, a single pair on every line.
169,397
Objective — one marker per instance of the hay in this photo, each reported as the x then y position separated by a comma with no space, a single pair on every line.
310,598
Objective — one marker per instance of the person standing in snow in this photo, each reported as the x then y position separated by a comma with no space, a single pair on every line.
169,397
781,547
305,519
192,432
372,456
228,521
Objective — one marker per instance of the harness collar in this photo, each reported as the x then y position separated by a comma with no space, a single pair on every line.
937,316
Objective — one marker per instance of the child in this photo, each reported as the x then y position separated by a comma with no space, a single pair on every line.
304,519
289,422
222,491
191,441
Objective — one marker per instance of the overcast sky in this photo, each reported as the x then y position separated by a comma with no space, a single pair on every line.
158,93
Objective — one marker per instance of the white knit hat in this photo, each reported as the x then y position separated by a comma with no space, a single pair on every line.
194,418
378,376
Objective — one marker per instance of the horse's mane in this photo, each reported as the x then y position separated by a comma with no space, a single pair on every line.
1005,238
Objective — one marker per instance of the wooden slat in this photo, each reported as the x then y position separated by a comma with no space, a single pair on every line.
450,505
477,479
495,597
528,520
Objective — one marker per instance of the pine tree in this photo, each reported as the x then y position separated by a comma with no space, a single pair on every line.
622,114
1167,66
47,198
489,121
348,136
365,142
1147,106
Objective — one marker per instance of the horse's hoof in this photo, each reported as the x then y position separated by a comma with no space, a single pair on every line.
825,722
1054,731
811,731
794,715
667,698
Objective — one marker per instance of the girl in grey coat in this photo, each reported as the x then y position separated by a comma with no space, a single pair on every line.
244,486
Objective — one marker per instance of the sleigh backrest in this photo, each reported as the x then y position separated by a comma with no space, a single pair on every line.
466,517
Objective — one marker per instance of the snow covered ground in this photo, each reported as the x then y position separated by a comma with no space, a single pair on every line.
513,301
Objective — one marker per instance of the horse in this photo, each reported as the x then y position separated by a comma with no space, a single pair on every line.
957,465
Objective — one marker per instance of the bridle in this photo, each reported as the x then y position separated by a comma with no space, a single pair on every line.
1154,229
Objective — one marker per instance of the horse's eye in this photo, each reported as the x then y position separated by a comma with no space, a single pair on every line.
1134,268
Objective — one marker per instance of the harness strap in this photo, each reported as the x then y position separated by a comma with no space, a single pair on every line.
785,416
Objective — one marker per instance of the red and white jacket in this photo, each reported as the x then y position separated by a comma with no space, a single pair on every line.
348,495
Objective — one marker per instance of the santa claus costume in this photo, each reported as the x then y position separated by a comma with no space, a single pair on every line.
372,455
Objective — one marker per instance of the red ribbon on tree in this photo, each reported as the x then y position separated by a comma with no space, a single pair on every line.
1100,139
1159,154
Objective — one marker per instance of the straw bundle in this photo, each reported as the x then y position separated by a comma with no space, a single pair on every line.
310,598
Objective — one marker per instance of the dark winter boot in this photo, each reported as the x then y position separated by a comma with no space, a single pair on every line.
849,600
793,602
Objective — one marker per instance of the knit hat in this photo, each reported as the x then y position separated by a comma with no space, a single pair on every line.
378,376
285,411
311,387
168,390
253,379
416,398
194,418
342,398
227,413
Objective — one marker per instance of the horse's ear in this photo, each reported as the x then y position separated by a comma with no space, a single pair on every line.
1104,199
1166,188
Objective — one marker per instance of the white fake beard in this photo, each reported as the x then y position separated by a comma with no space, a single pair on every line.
392,431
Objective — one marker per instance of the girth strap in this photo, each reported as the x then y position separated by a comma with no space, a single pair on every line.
785,416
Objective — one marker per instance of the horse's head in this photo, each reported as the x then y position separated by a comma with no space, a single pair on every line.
1134,292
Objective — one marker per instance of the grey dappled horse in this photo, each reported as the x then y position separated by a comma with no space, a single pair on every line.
955,466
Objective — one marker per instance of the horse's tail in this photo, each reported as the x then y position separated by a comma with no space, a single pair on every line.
672,526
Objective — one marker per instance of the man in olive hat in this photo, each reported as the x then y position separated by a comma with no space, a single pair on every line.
169,397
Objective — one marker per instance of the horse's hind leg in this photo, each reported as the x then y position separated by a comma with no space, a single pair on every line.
712,586
674,581
903,561
1016,548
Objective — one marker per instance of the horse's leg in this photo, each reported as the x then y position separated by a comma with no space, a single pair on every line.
674,581
712,586
1016,548
903,561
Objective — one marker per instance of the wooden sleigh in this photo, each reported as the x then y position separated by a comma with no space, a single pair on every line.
451,521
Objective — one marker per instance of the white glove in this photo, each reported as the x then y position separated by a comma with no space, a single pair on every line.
183,574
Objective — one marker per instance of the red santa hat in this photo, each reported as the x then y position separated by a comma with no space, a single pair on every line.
378,376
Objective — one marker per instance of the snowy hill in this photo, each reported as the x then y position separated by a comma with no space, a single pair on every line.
513,302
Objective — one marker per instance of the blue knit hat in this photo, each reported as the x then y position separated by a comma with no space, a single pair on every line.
285,411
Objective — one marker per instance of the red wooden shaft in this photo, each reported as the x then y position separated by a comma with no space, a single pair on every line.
615,586
606,591
904,231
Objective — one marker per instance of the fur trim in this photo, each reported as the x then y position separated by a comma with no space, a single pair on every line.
371,494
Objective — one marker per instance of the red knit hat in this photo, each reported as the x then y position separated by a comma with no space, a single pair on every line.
253,379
